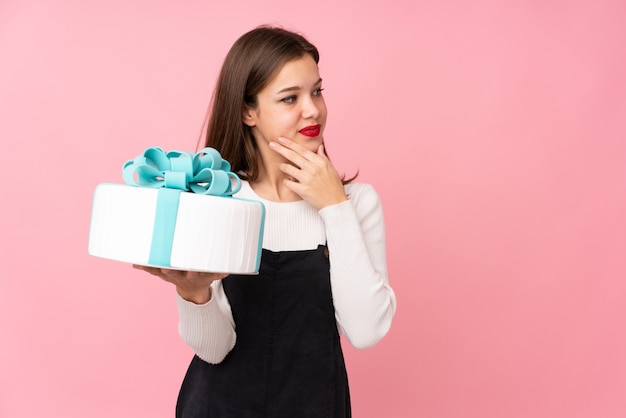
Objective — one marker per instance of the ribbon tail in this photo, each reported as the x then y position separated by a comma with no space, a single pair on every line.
164,227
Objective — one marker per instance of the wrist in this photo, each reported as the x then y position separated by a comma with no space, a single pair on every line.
332,202
197,296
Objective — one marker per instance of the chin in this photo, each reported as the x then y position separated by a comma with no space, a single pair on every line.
314,144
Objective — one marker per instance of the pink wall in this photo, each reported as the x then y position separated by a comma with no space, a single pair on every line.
495,133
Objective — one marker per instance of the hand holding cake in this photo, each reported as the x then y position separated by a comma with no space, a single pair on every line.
193,286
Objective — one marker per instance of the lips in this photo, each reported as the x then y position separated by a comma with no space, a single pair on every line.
311,131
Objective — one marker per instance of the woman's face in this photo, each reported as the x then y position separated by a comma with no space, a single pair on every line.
291,105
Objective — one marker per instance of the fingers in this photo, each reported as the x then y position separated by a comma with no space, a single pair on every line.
294,152
291,171
301,159
178,276
311,175
288,143
152,270
192,286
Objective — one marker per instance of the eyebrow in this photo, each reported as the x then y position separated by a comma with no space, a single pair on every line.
295,88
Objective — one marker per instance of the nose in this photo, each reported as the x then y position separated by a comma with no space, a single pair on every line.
310,109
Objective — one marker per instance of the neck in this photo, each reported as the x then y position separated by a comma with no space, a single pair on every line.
270,183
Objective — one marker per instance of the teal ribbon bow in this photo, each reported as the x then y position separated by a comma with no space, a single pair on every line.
174,172
204,172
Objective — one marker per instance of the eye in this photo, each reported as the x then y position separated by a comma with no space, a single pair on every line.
318,91
289,99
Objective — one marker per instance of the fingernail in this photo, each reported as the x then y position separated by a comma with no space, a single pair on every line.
272,144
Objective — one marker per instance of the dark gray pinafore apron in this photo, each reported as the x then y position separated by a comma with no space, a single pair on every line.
287,361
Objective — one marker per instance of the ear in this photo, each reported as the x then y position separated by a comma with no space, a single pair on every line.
248,116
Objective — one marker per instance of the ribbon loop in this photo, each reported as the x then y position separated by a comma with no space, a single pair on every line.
204,172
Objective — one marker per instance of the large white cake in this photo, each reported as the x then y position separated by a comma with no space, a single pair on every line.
209,233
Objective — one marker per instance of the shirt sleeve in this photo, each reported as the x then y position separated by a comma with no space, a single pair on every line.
208,329
364,301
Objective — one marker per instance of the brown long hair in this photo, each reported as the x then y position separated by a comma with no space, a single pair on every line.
249,66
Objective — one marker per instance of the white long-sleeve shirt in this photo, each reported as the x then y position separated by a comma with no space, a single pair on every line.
354,232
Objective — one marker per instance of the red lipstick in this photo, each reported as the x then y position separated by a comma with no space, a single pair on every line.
311,131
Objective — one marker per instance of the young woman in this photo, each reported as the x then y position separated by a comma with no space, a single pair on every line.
268,345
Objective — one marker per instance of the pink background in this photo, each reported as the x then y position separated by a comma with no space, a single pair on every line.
495,132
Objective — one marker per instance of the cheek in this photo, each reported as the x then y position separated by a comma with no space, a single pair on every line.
277,124
286,121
